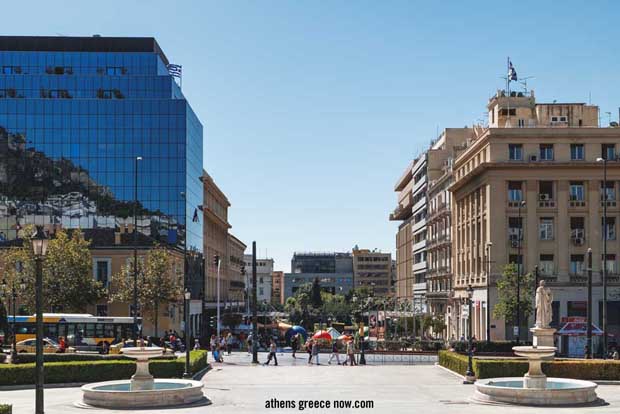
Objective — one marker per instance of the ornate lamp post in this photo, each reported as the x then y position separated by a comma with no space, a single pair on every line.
11,295
470,376
39,247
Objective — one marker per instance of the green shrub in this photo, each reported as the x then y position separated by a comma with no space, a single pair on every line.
484,346
6,409
2,360
100,370
453,361
592,370
30,358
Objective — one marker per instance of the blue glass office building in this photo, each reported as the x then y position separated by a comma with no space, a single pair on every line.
74,115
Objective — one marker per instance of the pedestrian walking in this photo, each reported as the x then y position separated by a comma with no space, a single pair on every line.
315,352
272,353
229,343
350,353
249,340
294,344
334,353
196,344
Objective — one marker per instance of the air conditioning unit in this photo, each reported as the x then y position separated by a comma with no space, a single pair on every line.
533,158
543,197
514,244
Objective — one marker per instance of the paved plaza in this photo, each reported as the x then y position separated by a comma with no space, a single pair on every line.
236,386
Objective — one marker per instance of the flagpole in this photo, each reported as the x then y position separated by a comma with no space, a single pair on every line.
508,90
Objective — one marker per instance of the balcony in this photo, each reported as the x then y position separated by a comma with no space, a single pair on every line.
574,203
610,203
442,209
400,213
546,203
578,278
437,241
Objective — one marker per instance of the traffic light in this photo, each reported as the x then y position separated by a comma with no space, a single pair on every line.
216,260
243,269
213,322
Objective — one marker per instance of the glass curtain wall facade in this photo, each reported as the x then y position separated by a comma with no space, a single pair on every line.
74,115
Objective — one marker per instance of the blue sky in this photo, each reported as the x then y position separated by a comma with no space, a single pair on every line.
312,109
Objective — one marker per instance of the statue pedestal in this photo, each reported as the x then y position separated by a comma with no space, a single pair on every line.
542,336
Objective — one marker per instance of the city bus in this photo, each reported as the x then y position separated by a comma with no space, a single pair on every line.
79,330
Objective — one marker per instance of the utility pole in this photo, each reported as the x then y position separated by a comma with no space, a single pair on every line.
254,310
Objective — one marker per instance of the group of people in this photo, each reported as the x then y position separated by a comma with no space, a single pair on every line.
220,345
313,348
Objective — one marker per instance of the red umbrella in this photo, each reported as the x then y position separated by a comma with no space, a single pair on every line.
322,335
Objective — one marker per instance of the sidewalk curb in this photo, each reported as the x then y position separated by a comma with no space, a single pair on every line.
456,374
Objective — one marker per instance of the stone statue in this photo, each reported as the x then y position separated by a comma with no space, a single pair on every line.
544,298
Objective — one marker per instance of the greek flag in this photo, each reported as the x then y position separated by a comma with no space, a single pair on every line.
512,73
175,70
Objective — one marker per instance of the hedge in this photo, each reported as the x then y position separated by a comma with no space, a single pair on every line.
484,346
96,371
30,358
6,409
593,370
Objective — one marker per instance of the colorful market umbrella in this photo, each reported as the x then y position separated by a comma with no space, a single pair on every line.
296,329
322,335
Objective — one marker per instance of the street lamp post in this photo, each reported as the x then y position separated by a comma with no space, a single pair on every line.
187,295
604,315
519,265
489,245
39,247
589,310
12,300
135,252
254,311
470,376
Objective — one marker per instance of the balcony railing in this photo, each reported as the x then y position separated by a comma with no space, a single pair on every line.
576,203
578,278
546,203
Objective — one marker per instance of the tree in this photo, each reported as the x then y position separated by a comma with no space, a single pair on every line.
68,282
67,272
506,307
158,283
317,300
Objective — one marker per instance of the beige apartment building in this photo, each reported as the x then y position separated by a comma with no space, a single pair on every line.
236,250
439,275
372,268
216,241
530,183
110,260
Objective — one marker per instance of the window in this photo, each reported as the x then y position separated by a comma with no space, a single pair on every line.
261,291
609,227
546,152
102,271
608,151
577,152
109,94
515,152
8,93
11,70
59,70
576,264
577,228
546,264
545,228
610,193
515,231
506,111
115,70
521,123
102,310
515,191
610,264
559,119
515,259
577,191
545,190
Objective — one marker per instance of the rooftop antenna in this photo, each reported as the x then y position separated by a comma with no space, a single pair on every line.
523,82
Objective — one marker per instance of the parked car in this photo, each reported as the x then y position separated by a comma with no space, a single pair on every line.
49,346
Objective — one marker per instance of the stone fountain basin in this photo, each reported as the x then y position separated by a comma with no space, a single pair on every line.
535,353
143,353
166,392
510,390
